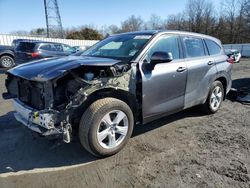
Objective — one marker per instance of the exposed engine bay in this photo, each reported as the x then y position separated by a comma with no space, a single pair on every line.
53,107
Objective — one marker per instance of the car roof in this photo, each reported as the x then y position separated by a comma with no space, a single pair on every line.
155,32
25,40
37,42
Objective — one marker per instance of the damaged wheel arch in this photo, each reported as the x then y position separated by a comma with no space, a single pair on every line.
122,87
120,94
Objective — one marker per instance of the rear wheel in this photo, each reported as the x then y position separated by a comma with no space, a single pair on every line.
214,99
106,126
7,61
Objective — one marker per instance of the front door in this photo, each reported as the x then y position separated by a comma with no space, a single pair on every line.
163,87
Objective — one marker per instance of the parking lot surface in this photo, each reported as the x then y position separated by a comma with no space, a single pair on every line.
187,149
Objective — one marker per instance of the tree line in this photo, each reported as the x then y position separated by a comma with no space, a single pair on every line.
230,23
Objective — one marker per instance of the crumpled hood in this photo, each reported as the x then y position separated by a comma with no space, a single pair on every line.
47,69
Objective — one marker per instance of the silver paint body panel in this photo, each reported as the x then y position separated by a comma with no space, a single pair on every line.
166,91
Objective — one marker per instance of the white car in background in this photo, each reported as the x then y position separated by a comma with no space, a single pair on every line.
235,54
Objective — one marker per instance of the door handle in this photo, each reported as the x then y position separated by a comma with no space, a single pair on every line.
210,63
181,69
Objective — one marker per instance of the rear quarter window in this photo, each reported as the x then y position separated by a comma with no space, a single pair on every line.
213,47
26,47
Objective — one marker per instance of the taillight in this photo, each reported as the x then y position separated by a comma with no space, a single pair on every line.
35,54
230,60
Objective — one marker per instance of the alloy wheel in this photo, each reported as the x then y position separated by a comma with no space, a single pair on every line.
216,98
112,129
7,62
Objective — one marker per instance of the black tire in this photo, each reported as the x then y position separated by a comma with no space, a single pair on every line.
206,107
7,61
91,120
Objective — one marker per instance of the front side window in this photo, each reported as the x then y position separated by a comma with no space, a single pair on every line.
166,43
213,47
67,48
194,47
122,47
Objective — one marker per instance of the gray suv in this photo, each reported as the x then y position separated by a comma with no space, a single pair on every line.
123,80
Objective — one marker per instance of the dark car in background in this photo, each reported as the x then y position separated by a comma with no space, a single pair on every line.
27,51
15,42
6,56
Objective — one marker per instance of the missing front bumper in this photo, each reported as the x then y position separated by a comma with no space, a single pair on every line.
40,122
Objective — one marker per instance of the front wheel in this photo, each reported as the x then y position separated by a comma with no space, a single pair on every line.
214,99
106,126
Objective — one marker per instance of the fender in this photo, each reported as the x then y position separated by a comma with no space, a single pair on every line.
223,79
7,52
124,85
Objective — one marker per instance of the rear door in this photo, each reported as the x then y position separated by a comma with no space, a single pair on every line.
163,87
52,50
59,50
224,68
201,70
46,50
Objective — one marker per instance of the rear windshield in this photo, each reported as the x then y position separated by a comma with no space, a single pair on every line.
25,47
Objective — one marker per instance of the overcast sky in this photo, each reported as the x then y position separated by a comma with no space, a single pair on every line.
29,14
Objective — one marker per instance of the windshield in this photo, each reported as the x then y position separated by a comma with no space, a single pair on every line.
122,47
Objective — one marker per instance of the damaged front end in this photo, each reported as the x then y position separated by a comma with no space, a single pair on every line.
53,106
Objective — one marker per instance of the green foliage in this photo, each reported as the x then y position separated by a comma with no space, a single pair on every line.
85,34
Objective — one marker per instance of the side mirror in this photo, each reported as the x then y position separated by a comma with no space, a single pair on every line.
161,57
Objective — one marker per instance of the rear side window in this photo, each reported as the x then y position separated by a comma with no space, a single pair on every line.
46,47
194,47
213,47
25,47
57,47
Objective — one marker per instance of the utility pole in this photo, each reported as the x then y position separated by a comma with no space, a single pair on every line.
53,19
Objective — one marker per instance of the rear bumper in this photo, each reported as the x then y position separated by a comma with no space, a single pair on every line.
37,121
